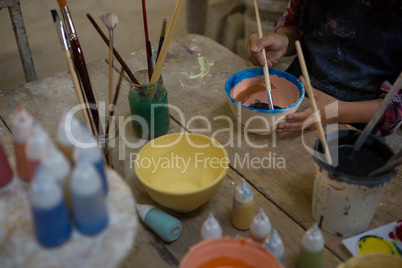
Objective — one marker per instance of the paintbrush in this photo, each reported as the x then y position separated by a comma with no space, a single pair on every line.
147,43
266,72
110,20
151,56
79,63
313,104
374,120
111,113
392,163
162,37
159,64
115,53
77,87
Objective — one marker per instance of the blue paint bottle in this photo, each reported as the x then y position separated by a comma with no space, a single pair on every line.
88,151
50,217
87,199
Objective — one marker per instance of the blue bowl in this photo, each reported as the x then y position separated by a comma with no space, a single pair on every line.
257,120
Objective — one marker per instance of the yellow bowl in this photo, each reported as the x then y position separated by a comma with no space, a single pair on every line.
181,171
373,260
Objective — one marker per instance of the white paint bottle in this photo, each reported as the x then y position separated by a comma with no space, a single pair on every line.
211,228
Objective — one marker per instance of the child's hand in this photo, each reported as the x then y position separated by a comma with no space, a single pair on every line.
275,47
295,121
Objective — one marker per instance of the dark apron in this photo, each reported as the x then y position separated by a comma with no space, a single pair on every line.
348,54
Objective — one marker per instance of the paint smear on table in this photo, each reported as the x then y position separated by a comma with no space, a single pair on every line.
381,239
205,66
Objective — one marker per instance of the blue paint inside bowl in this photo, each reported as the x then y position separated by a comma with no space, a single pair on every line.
256,72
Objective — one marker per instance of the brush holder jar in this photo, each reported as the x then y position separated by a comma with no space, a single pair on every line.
149,107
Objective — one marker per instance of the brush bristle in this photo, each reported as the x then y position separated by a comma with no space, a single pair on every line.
54,15
62,3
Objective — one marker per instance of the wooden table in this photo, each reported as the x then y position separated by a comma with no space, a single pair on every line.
285,194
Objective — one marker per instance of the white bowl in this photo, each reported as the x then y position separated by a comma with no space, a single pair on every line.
259,121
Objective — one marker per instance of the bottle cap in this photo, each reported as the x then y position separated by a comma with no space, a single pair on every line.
243,194
38,143
45,193
68,129
56,164
211,228
87,148
260,227
275,245
85,180
312,240
22,124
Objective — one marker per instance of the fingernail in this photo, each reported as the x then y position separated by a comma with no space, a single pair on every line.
280,126
255,48
279,130
290,117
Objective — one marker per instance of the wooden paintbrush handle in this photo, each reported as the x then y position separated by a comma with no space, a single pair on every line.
78,93
313,104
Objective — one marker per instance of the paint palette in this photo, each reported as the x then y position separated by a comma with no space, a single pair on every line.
380,240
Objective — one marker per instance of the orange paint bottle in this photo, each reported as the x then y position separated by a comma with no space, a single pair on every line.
21,130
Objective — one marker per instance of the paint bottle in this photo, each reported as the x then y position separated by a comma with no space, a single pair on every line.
6,173
88,151
211,228
36,148
68,130
164,225
311,250
56,164
21,129
150,104
275,245
51,223
260,228
87,199
243,207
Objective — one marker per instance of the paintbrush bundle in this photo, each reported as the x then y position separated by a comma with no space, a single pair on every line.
79,62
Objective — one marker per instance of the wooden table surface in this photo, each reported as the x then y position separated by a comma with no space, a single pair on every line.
285,194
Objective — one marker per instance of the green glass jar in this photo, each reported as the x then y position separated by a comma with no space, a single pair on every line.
149,107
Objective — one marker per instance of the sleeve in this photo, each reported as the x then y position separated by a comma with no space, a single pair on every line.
293,17
393,113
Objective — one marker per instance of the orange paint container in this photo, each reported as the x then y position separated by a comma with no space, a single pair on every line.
229,252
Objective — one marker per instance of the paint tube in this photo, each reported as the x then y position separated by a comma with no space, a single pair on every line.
260,228
50,217
164,225
311,250
21,130
211,228
87,199
275,245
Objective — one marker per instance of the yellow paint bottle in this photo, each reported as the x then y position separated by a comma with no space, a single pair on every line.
243,207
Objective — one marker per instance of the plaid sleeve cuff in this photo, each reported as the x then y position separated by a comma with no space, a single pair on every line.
393,112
